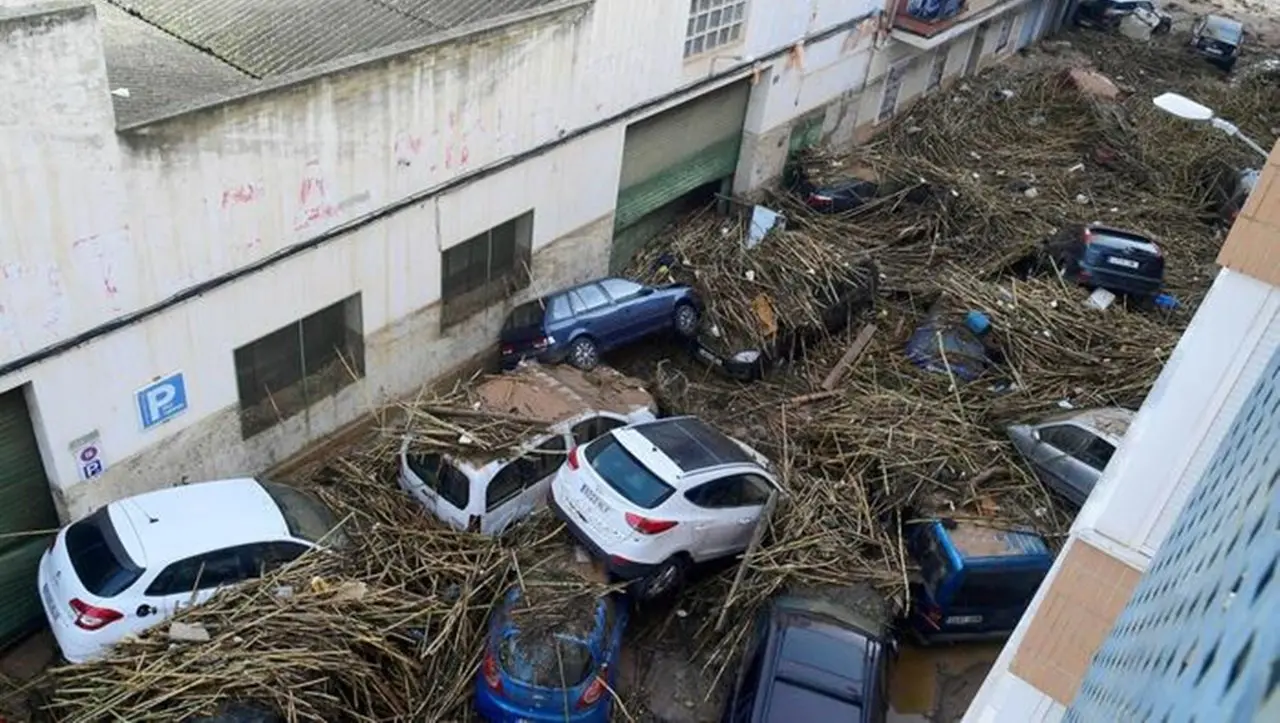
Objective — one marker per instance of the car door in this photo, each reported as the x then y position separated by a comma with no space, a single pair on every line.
729,508
636,309
593,312
1056,460
521,485
194,580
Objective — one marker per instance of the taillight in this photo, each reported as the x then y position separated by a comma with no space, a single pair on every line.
490,669
573,458
93,618
593,691
542,343
819,198
1087,237
646,526
508,350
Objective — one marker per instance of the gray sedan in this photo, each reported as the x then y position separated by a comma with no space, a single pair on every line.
1069,453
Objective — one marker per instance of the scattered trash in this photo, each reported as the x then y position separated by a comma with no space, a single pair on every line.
763,221
1166,301
185,633
1100,299
1082,199
1031,192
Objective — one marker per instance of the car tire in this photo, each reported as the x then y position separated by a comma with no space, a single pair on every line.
662,582
583,354
685,320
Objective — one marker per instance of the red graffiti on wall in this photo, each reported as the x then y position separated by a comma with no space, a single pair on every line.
241,195
313,199
408,148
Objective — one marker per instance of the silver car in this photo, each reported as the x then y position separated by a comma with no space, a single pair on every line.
1068,453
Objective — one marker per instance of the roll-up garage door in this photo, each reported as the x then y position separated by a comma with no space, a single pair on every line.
671,155
25,506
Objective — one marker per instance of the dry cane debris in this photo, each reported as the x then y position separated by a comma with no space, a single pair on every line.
1005,159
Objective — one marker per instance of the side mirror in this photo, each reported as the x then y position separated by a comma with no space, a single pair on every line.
646,290
144,610
1035,434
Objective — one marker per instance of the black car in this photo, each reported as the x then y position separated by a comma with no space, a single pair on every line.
1219,39
1107,14
814,658
1109,258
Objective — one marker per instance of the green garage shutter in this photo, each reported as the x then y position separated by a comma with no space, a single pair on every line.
671,154
25,506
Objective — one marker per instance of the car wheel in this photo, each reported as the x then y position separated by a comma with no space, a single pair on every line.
663,581
583,354
686,320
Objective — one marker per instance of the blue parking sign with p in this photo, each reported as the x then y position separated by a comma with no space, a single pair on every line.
162,400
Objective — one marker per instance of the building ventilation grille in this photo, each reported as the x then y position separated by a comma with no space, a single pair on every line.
1200,639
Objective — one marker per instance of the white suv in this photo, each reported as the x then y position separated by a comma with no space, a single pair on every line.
131,564
652,499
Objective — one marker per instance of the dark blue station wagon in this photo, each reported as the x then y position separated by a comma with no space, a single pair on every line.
578,324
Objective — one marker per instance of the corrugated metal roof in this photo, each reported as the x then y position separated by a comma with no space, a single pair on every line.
173,54
281,36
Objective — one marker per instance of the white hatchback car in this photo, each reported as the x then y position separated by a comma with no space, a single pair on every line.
131,564
652,499
487,493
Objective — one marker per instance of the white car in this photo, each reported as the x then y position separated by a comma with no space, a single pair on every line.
488,493
131,564
652,499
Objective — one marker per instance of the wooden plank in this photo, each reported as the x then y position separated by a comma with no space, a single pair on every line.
757,536
850,356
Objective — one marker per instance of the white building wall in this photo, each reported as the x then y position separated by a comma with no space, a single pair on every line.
103,224
1204,384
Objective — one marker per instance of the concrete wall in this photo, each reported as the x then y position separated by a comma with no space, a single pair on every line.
102,225
826,77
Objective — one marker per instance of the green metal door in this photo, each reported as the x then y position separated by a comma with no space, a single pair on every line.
671,154
25,506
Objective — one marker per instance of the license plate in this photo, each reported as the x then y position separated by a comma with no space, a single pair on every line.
594,499
964,619
1127,263
49,604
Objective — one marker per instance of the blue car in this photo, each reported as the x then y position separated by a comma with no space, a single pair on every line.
559,674
976,582
578,324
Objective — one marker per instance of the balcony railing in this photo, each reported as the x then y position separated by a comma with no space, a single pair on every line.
928,18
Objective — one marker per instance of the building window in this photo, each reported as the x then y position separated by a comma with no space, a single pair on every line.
892,84
292,368
485,269
1006,29
937,69
712,24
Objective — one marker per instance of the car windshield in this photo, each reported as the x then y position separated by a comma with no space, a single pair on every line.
544,659
524,316
307,517
625,474
98,557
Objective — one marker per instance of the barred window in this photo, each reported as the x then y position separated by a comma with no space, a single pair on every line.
712,24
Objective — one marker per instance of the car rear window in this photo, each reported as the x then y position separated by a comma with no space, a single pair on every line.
98,557
545,660
307,517
789,702
448,481
525,315
625,474
1124,241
